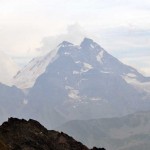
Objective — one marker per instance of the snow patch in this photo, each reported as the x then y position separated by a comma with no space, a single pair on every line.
129,79
92,46
86,67
67,53
74,106
65,44
25,101
96,99
77,62
72,93
37,66
105,72
131,75
76,72
137,84
68,87
99,57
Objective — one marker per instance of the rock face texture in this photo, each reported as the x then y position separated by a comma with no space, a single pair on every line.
19,134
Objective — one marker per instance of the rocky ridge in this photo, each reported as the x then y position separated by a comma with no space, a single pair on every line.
19,134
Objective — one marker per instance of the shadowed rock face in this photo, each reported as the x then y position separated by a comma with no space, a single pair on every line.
19,134
3,146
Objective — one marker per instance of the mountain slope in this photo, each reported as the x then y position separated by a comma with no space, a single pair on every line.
26,77
31,135
125,133
11,101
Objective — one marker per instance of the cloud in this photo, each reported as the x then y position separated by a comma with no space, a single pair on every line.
141,63
24,23
124,38
130,44
127,43
74,33
121,27
8,69
145,71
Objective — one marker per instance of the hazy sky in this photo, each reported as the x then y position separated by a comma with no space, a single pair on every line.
31,27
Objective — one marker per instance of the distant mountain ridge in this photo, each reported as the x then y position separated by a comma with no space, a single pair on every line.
12,101
131,132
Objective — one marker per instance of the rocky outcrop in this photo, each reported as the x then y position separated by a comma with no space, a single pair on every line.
3,146
19,134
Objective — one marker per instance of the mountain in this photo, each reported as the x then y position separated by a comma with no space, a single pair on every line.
82,82
19,134
8,69
11,101
130,132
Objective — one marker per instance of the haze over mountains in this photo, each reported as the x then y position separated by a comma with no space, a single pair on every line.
83,82
130,132
77,82
8,69
11,101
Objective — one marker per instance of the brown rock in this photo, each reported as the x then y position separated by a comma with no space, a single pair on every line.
19,134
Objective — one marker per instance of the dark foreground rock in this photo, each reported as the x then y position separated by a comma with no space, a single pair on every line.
19,134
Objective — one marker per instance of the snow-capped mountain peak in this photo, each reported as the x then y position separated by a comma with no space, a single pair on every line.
65,44
86,42
88,52
89,44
